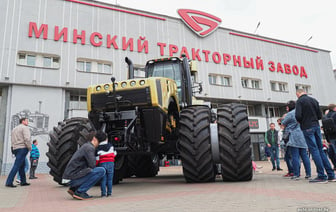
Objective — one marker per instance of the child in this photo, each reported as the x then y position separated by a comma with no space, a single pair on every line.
105,158
34,157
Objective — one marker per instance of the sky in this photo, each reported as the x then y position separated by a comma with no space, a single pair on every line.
305,22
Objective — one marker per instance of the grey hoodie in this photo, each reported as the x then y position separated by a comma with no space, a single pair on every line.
81,163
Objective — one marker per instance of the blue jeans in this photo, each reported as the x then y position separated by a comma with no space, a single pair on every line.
314,141
19,166
83,184
296,154
25,169
288,160
107,180
275,156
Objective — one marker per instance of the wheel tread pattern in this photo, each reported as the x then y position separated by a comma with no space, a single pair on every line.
234,143
64,141
194,145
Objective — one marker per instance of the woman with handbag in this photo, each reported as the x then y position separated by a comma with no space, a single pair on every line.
296,142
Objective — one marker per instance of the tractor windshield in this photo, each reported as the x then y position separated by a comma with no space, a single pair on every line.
170,69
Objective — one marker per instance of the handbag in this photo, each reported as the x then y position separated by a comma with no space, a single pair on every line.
285,136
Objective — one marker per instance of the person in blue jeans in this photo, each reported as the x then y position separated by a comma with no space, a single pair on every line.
18,179
308,114
271,140
82,171
105,158
296,143
21,145
288,160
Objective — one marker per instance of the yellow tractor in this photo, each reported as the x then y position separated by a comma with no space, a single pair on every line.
148,119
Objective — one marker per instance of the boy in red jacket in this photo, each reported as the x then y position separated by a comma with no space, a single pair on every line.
105,158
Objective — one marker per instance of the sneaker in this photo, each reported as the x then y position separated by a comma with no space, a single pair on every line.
279,169
308,177
295,178
81,196
289,175
318,180
332,180
71,191
25,184
273,169
18,181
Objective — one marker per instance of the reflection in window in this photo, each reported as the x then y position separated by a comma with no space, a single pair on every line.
31,60
47,62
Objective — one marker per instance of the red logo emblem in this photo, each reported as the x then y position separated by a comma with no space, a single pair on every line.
201,23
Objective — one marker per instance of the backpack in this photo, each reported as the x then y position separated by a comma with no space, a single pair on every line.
328,125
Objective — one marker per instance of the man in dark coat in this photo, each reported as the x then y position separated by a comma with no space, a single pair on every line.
308,114
331,136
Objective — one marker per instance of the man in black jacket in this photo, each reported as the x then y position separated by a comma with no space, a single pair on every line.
82,171
308,114
331,136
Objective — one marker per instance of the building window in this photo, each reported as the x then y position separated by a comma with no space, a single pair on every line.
88,65
273,86
51,62
139,71
244,83
282,87
225,80
104,68
78,102
251,83
255,84
31,60
272,112
38,60
306,88
279,86
217,79
250,110
254,110
212,79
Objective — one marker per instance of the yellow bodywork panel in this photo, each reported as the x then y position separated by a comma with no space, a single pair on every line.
161,90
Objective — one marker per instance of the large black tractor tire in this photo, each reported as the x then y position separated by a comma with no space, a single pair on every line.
234,143
120,168
147,165
64,141
194,145
131,166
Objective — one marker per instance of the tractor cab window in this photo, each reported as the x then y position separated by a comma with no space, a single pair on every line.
169,69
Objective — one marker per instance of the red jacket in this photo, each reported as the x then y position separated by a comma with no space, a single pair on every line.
105,153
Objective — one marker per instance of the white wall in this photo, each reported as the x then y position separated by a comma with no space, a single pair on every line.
26,98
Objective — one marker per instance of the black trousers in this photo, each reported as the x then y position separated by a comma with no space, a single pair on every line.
33,166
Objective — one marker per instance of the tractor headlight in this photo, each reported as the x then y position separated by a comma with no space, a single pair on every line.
98,88
106,86
142,82
123,84
132,83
